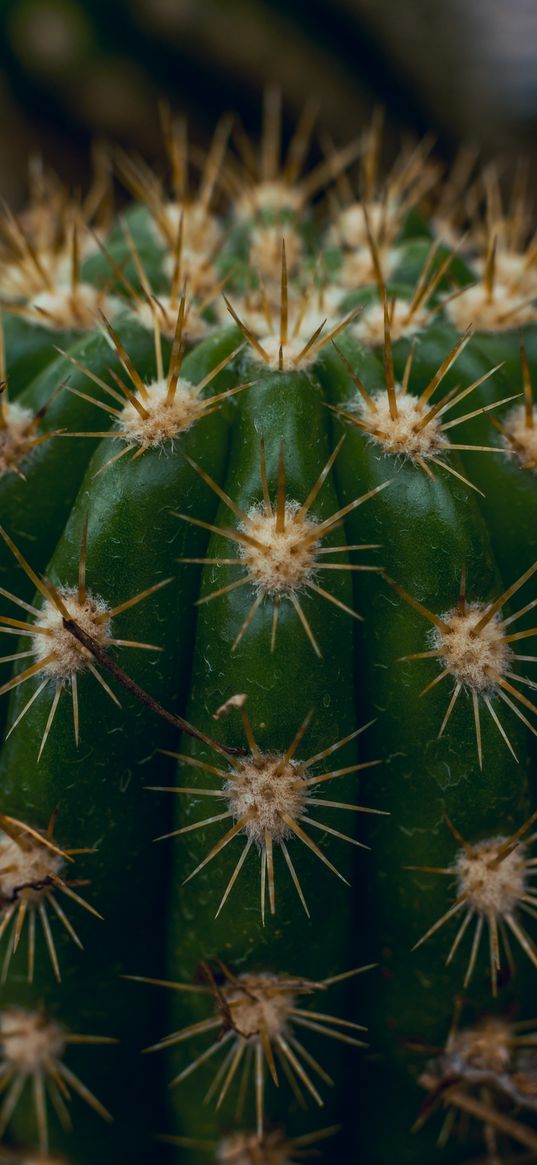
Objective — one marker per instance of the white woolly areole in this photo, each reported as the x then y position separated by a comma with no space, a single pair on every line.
322,307
69,656
401,435
268,786
358,269
195,327
249,1149
350,229
369,328
20,281
504,311
29,1040
271,195
484,1049
26,869
511,268
448,233
292,355
491,889
16,438
196,271
166,418
258,1003
492,1055
473,658
266,250
518,436
290,352
283,562
201,230
325,305
78,309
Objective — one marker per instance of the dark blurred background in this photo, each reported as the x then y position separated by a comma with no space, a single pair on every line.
73,70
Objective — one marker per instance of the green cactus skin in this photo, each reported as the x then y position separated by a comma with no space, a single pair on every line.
428,783
29,349
36,519
508,492
260,643
282,687
135,497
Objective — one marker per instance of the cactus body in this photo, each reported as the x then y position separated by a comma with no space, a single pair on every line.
305,522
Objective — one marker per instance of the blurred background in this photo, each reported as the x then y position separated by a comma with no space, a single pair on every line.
74,70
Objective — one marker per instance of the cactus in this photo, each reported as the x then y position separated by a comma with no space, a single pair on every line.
268,543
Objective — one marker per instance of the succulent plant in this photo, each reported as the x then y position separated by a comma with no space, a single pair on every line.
268,506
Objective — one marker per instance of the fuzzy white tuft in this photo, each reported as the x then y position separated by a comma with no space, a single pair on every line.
65,308
26,870
520,437
16,438
258,1004
504,310
473,658
283,561
29,1041
493,882
369,328
269,788
69,656
403,435
164,418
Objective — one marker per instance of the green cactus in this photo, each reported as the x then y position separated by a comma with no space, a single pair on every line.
267,565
